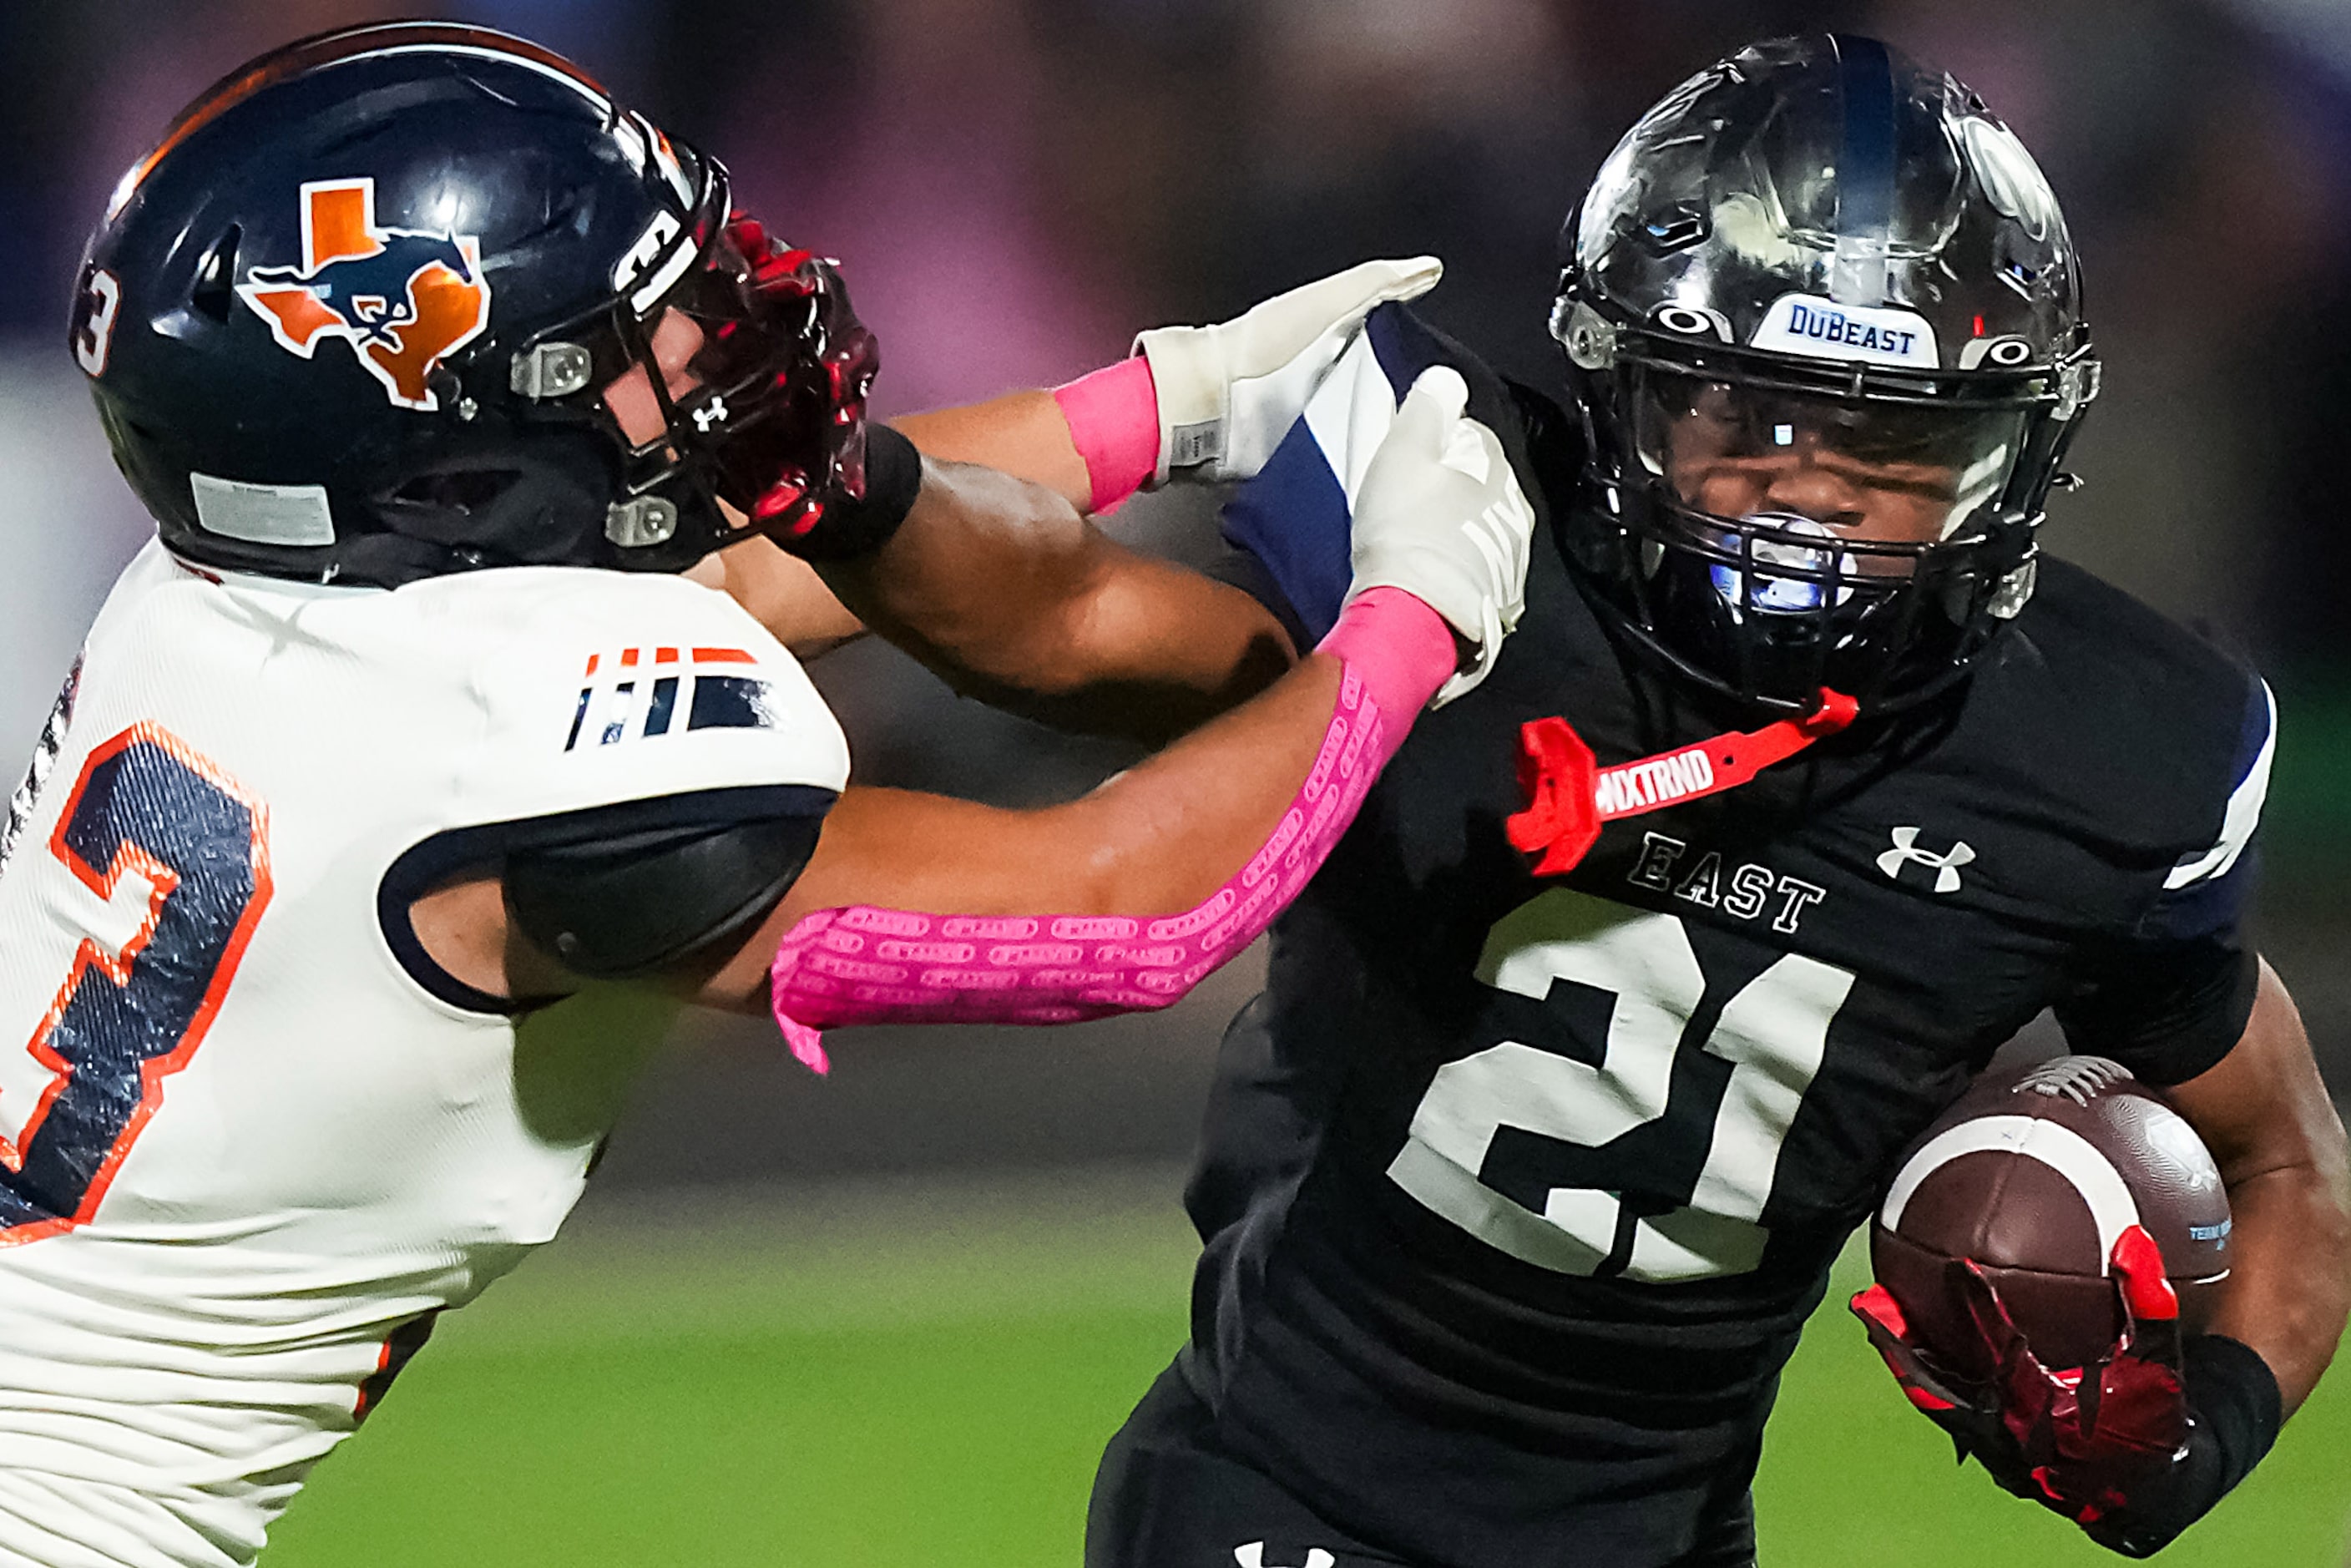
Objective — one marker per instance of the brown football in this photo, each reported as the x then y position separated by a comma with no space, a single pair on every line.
2034,1175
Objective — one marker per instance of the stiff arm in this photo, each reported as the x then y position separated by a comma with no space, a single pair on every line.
1099,637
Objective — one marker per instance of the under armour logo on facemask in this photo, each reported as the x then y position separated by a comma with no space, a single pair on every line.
1905,852
1253,1556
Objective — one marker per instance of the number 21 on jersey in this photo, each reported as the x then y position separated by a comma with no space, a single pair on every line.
127,1016
1772,1032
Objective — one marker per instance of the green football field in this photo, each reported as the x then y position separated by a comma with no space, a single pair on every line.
924,1377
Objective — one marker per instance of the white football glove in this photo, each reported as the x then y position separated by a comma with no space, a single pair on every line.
1228,393
1440,515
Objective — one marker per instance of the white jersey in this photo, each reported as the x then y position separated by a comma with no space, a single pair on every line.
250,1138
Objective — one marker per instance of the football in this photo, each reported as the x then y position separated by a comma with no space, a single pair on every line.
2034,1175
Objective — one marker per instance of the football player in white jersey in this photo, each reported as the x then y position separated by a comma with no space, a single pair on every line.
407,783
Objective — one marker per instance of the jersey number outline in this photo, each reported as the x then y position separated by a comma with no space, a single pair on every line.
125,1021
1772,1032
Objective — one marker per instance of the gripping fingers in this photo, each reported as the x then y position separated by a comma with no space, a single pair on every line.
2084,1442
1228,393
1425,522
2000,1334
1430,421
1889,1336
1278,330
1499,534
2152,1305
1975,1429
1470,449
1504,530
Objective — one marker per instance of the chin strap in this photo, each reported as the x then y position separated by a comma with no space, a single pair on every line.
1570,795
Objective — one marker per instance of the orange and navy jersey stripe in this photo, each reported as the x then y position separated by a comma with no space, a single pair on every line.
672,680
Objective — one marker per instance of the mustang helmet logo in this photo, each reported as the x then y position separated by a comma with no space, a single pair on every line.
402,298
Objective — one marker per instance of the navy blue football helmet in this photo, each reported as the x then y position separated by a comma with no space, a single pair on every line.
351,321
1823,321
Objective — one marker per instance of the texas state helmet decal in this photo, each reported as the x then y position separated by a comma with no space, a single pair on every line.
402,298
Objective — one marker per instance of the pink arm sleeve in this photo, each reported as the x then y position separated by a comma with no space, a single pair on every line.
862,965
1114,416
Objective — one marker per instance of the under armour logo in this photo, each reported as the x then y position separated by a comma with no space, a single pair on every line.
1905,852
1253,1556
710,414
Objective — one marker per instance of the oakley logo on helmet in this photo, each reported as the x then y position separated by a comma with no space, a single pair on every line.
1905,852
1824,330
403,298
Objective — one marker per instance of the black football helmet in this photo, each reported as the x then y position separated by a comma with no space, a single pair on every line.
351,320
1824,328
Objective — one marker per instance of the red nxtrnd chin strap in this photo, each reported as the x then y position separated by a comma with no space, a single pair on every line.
1569,794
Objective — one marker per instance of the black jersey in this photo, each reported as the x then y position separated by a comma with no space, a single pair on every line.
1517,1190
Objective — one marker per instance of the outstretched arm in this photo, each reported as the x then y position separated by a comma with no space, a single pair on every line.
1193,404
1015,598
1024,433
782,594
921,908
1440,540
1134,892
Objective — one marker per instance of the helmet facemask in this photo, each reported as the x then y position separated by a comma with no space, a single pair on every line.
1792,536
766,413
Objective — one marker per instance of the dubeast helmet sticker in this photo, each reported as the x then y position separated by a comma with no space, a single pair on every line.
1824,330
402,298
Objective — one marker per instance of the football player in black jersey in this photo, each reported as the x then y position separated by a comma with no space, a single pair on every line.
1522,1176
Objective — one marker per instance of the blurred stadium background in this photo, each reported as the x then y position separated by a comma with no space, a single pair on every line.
891,1318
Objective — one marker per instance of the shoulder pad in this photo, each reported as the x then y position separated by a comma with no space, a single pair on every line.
615,908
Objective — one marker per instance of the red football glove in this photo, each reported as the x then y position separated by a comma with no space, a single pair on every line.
2085,1441
787,489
